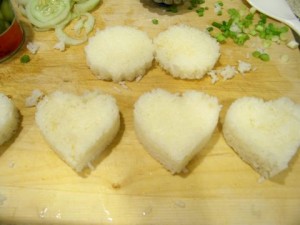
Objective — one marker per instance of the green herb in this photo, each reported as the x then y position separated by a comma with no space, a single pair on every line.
200,11
25,59
240,39
194,4
155,21
262,56
240,26
233,13
219,8
209,29
256,54
220,38
220,3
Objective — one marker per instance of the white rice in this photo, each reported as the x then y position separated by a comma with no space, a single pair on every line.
119,53
32,47
186,52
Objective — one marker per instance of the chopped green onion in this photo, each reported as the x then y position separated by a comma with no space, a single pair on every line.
283,36
261,55
194,4
220,3
200,11
155,21
220,38
233,13
217,25
259,28
25,59
240,26
253,32
264,57
252,10
267,43
241,38
263,19
256,54
209,29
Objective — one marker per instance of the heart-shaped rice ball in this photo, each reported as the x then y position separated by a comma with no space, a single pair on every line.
174,128
265,134
78,127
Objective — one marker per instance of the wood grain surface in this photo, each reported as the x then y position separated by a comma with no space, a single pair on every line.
127,186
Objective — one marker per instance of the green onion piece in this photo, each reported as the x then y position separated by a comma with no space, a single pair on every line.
155,21
200,11
256,54
263,19
209,29
253,32
240,26
220,3
283,36
264,57
267,43
194,4
25,59
241,39
284,29
220,38
234,14
259,28
217,25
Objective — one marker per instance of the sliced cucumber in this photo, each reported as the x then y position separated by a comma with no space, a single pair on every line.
47,13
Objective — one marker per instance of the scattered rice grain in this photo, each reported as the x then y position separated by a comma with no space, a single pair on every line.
32,47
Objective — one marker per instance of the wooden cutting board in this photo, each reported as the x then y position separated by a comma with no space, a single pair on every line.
127,186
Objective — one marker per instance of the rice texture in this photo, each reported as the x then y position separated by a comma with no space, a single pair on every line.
173,128
9,118
78,127
186,52
119,53
264,134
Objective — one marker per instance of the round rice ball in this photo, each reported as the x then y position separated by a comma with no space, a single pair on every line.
119,53
9,118
186,52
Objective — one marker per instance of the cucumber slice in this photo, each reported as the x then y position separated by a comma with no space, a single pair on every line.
47,13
